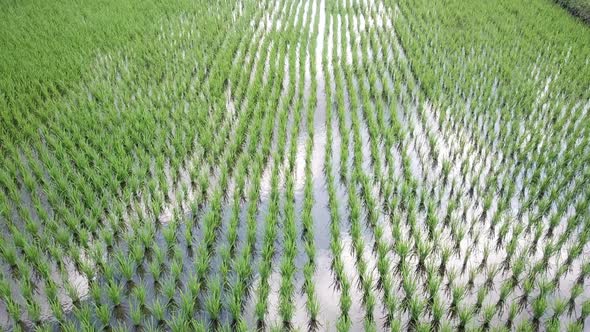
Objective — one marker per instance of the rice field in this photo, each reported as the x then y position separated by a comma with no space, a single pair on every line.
317,165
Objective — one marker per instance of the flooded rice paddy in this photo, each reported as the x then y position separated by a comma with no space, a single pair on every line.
300,177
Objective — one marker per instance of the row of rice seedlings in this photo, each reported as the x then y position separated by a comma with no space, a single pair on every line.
271,219
340,99
413,305
243,265
255,83
544,66
431,218
14,194
145,163
537,235
457,290
426,267
344,324
235,151
430,210
396,134
380,248
287,267
179,143
390,133
431,229
432,281
31,263
239,290
268,133
365,281
388,130
286,304
286,307
307,230
170,234
342,284
212,302
86,237
307,47
236,303
283,116
228,130
229,249
233,143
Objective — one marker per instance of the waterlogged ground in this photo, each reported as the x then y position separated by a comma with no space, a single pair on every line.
298,177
